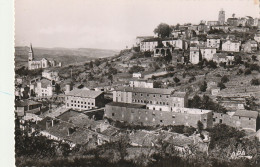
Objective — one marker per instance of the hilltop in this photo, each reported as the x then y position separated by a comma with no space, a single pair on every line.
64,55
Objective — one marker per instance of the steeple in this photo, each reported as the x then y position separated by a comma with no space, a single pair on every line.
30,55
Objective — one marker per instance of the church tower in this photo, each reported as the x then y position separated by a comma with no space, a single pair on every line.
30,56
221,17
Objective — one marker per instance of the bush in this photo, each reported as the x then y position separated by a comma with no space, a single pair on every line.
224,79
247,71
221,85
255,82
135,69
203,87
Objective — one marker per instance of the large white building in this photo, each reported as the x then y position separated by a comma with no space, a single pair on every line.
79,99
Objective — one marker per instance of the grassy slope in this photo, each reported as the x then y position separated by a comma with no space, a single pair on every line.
64,55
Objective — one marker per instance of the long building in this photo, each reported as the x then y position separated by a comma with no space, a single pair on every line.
139,114
155,98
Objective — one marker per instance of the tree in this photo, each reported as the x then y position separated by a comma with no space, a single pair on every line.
221,85
163,30
212,64
238,59
121,145
57,88
247,71
176,80
224,79
112,70
157,84
203,87
97,62
255,82
90,64
240,71
200,126
254,58
135,69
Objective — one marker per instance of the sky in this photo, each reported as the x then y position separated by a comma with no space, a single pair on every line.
111,24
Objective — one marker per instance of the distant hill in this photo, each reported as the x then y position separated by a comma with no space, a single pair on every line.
64,55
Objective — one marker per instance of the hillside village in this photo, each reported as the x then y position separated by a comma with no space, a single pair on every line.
171,94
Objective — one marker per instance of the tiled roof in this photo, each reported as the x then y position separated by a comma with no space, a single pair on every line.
246,113
45,83
128,105
146,90
23,103
84,93
213,37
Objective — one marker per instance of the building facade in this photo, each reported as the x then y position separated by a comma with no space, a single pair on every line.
141,83
213,42
231,46
81,100
221,17
154,98
139,114
148,44
195,56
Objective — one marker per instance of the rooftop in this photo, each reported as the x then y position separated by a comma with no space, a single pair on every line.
128,105
23,103
84,93
146,90
246,113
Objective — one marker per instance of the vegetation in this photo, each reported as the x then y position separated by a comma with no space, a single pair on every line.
203,87
205,103
255,82
136,69
163,30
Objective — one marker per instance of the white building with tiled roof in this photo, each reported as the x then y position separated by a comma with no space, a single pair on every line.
81,100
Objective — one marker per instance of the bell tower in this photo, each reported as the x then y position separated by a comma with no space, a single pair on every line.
221,17
30,55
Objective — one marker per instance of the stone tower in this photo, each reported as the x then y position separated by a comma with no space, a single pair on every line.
30,55
221,17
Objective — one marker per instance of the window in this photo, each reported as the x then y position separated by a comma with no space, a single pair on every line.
141,94
82,102
81,106
68,104
71,101
160,95
214,119
167,103
163,103
173,116
113,114
153,108
92,103
78,101
160,109
85,102
147,94
153,113
75,102
88,103
71,104
249,118
167,96
161,120
220,120
78,105
85,106
153,95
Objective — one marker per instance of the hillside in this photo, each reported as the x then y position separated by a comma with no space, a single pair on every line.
64,55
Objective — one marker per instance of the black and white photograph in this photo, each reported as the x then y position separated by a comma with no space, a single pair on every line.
136,83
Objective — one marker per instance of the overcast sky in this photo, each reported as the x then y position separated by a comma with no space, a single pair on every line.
111,24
